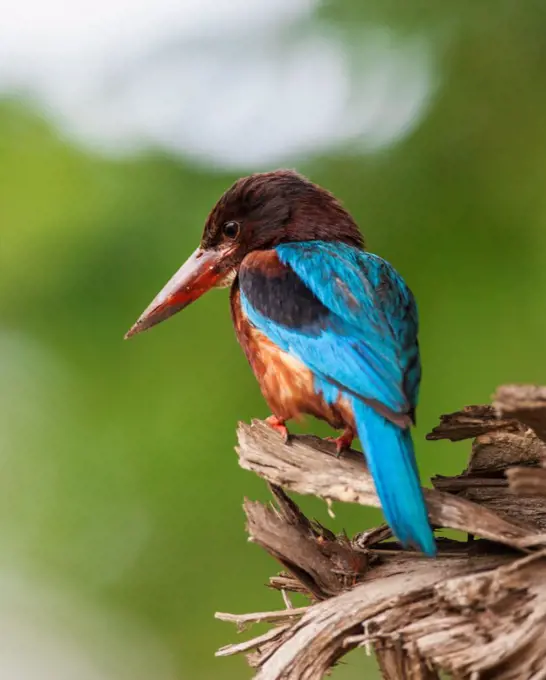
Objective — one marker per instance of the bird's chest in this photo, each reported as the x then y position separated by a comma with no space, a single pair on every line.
286,383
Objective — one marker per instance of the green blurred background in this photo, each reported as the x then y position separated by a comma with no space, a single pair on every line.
121,527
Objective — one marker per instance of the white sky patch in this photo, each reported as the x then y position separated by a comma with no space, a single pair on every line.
232,83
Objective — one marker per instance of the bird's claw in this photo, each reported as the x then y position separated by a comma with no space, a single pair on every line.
343,442
279,426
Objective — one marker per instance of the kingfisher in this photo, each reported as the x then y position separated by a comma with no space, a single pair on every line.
329,329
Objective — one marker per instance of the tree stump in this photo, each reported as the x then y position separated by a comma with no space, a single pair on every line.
478,610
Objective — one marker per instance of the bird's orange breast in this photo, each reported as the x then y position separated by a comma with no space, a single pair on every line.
286,383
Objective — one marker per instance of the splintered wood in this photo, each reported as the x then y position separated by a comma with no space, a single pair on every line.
476,611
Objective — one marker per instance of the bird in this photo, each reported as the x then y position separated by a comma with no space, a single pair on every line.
329,329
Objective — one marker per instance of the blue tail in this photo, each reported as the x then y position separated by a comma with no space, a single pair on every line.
391,459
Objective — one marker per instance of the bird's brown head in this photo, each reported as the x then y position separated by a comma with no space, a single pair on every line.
256,213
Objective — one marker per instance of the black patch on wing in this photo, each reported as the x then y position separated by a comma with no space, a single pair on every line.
283,297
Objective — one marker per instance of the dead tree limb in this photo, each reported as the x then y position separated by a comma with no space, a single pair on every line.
309,465
478,610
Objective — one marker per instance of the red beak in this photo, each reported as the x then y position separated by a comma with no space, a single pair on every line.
201,271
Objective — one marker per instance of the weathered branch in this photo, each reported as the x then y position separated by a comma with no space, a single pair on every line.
308,465
471,421
477,611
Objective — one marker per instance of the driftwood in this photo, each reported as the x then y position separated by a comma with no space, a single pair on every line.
476,611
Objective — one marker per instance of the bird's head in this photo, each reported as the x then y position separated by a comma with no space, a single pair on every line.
258,212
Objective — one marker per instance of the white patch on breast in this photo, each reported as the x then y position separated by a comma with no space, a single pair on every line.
227,280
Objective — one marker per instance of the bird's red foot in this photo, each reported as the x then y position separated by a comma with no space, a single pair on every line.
279,426
344,441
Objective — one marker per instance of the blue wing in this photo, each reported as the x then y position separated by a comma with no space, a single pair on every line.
346,314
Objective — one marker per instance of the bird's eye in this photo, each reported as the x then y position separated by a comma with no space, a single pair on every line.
231,229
